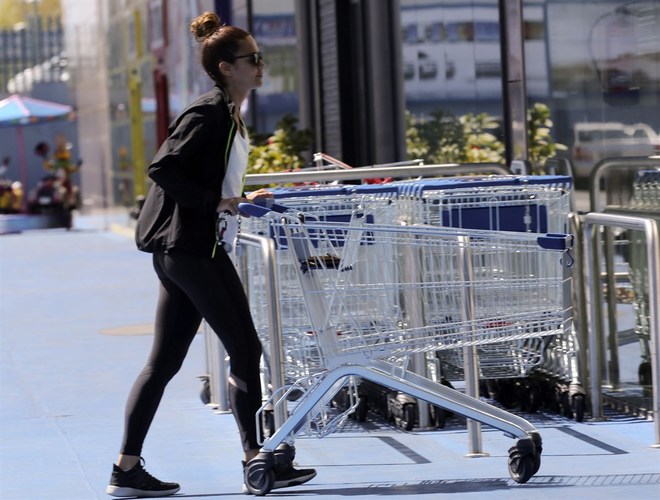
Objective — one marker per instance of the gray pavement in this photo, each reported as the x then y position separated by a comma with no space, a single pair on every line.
76,321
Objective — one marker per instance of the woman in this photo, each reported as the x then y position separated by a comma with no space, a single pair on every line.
197,180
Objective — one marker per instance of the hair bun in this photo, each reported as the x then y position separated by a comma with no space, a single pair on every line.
204,25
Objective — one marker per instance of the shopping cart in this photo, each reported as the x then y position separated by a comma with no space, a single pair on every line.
360,279
538,204
511,203
517,373
330,203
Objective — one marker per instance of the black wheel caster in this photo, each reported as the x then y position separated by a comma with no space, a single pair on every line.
438,416
565,406
645,374
205,391
524,460
521,467
258,475
530,397
361,410
578,402
408,417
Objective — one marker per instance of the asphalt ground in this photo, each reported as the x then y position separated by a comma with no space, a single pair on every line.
76,314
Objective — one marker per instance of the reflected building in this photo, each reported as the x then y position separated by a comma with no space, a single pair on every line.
350,70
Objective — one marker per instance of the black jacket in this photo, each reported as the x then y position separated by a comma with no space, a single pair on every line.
188,169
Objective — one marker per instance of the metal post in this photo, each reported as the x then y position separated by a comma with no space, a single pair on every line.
653,256
612,368
413,306
580,310
470,361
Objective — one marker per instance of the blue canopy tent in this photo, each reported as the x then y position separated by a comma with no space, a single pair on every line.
19,111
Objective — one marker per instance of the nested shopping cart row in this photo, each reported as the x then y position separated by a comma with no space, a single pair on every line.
503,203
377,293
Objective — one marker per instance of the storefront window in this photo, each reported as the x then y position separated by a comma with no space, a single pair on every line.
451,56
597,67
273,26
594,63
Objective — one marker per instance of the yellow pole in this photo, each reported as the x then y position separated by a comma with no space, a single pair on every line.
135,111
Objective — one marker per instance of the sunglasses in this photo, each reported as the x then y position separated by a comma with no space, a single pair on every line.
255,58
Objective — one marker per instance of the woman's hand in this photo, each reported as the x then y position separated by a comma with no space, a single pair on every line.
259,193
230,205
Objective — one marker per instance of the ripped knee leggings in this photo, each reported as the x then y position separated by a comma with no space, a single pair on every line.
192,288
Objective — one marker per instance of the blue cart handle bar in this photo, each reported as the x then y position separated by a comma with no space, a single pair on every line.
552,241
260,207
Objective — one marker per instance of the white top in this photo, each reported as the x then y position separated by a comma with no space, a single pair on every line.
232,186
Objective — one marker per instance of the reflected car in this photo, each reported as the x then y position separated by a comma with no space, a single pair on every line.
597,140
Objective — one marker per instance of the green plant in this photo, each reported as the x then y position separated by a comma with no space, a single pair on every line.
481,145
443,138
281,151
471,138
541,145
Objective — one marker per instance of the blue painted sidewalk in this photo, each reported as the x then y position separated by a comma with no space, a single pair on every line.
76,311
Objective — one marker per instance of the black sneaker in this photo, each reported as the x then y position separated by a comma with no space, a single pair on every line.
290,476
287,476
137,482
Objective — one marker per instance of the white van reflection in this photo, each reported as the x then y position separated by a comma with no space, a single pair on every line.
597,140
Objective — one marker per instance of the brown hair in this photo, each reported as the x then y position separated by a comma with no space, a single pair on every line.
219,42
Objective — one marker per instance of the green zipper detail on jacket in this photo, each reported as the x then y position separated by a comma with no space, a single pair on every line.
227,151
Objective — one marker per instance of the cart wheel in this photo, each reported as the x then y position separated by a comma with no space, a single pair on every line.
408,417
484,389
205,391
522,466
530,398
644,373
578,407
537,462
259,476
361,410
567,407
439,416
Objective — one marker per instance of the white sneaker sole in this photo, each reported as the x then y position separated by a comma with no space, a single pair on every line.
123,492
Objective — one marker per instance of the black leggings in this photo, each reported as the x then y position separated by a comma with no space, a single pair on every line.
192,288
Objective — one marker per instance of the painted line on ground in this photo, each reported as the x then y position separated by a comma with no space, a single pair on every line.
592,441
404,450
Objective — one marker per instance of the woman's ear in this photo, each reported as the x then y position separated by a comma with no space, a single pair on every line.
225,68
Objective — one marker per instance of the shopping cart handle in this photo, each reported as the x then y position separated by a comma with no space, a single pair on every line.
252,209
555,241
261,207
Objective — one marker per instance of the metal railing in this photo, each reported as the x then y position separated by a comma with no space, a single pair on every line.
376,171
650,229
216,354
598,173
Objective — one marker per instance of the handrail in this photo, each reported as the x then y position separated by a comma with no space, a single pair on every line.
597,173
375,171
653,256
